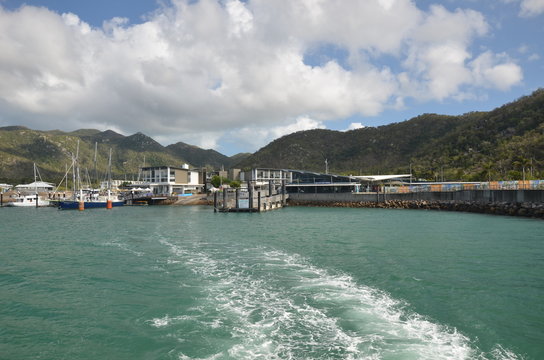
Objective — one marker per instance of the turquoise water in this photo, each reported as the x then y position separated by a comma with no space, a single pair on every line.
297,283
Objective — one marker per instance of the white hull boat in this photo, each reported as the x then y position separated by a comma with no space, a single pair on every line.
27,201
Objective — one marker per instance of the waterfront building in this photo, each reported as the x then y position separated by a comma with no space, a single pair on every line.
300,180
312,182
169,180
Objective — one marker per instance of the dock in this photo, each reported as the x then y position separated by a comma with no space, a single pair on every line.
234,200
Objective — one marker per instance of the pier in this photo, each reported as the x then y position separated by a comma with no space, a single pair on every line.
249,200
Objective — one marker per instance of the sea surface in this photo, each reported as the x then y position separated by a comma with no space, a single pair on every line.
297,283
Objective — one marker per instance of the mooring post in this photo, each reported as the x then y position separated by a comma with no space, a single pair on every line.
36,200
283,192
270,188
259,201
237,198
1,200
250,189
215,201
224,199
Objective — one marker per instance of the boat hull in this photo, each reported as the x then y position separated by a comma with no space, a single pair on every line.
27,201
70,204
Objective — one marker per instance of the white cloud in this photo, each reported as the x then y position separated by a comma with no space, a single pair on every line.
260,136
355,126
531,7
196,70
489,71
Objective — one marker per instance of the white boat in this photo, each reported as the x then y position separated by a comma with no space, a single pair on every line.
29,200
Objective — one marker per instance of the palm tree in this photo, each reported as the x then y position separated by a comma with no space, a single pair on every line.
522,163
488,167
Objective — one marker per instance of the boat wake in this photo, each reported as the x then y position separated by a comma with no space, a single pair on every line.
262,303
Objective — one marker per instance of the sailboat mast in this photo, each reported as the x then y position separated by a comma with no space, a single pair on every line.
95,169
77,179
74,176
109,176
109,171
35,180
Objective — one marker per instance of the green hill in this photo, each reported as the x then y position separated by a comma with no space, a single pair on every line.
52,151
205,158
505,143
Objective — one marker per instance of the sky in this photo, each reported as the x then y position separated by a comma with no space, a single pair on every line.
234,75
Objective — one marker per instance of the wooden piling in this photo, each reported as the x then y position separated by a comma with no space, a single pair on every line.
224,199
237,198
258,201
283,192
250,190
215,201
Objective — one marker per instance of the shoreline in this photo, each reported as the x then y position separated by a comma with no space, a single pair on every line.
530,210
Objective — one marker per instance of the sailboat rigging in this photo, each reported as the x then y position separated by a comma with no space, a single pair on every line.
30,200
86,197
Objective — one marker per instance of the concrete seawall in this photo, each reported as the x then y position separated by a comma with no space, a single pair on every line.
529,203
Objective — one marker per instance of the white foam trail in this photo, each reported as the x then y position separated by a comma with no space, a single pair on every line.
124,247
278,306
213,357
500,353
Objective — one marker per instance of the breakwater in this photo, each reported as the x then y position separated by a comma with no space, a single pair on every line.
527,203
497,208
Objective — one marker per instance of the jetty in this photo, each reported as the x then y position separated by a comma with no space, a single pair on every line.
249,200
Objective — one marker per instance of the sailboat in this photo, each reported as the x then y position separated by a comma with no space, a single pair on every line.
30,200
89,198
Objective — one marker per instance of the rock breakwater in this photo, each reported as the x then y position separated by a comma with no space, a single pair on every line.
534,210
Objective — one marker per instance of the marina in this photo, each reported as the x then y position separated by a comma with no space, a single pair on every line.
182,282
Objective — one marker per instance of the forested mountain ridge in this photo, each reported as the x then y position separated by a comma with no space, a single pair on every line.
52,151
505,143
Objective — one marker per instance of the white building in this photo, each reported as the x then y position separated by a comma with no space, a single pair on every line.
39,186
262,176
168,180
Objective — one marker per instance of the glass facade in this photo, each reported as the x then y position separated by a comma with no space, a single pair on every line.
311,182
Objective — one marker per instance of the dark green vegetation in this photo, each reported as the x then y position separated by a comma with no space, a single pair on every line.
506,143
217,181
52,151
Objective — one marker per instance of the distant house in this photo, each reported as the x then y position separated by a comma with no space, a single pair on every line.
39,186
169,180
